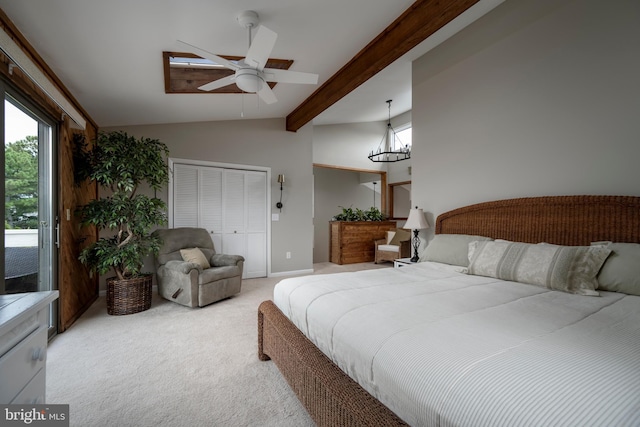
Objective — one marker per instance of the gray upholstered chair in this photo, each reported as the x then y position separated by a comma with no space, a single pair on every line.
188,283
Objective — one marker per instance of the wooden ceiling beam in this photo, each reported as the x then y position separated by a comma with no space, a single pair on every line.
417,23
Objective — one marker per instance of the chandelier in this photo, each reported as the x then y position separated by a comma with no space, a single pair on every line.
390,148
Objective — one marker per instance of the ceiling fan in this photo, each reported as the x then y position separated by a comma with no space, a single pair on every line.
250,73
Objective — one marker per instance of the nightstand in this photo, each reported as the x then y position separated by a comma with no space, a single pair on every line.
401,262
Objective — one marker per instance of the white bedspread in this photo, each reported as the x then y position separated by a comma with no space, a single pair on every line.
440,348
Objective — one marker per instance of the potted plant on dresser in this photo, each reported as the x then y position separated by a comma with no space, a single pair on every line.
120,163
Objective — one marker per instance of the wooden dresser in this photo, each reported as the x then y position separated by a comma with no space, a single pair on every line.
24,324
354,241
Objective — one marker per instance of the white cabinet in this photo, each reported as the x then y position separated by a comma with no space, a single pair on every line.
24,322
230,203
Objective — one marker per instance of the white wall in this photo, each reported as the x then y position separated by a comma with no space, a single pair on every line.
259,143
399,171
539,97
348,145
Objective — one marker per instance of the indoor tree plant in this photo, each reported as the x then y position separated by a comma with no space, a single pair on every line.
120,163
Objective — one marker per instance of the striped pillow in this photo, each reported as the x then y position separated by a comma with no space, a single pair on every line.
570,269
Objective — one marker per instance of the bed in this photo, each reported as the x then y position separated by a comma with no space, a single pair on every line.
455,349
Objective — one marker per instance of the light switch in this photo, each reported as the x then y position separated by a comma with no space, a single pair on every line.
275,217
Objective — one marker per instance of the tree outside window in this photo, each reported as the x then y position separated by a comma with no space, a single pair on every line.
21,184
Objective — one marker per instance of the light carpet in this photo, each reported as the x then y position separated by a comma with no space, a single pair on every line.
175,366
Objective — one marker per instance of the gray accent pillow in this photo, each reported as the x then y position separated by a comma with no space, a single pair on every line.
621,271
450,249
570,269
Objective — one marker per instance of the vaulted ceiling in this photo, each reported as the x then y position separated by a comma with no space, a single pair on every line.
109,54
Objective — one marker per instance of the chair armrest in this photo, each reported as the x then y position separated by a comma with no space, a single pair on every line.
182,266
220,260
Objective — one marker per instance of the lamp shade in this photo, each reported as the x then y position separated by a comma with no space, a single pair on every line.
281,178
416,220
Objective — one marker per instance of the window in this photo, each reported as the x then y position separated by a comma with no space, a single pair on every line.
403,136
28,200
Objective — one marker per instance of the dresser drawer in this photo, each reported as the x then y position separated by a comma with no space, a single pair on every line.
21,364
34,392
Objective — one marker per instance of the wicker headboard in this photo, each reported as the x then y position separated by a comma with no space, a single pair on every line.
562,220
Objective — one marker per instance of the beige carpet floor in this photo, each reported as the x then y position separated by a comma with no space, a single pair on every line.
174,366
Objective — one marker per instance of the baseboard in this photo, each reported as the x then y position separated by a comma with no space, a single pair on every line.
291,273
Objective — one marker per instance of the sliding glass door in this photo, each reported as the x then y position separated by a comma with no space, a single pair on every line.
29,214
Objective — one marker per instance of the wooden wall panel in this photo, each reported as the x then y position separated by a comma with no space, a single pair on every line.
77,288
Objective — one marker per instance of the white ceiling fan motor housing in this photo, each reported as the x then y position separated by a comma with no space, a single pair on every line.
249,80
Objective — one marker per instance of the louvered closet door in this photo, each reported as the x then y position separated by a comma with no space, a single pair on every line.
233,239
256,231
211,209
245,228
230,204
185,196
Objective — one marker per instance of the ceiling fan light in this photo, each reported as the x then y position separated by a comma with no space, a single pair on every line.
249,80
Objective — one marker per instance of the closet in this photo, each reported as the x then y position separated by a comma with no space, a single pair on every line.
230,203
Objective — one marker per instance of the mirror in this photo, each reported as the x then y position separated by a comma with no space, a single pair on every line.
399,199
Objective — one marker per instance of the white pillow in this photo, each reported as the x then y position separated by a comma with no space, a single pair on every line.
570,269
621,271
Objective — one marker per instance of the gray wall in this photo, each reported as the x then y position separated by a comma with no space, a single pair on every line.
258,143
539,97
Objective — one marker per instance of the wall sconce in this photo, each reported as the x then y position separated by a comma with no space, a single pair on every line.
281,181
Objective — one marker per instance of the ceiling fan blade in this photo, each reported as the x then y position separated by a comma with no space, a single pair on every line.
286,76
216,84
210,56
267,95
261,48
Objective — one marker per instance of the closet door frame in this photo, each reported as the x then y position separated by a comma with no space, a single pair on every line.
191,162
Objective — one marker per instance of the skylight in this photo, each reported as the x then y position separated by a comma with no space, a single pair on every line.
186,72
180,61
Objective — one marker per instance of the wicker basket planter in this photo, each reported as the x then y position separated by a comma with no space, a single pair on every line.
129,296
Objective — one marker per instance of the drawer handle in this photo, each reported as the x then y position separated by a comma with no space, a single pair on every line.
38,354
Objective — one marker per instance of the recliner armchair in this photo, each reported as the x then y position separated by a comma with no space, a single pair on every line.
188,283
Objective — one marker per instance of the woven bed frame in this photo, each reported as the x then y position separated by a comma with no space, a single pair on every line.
332,398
